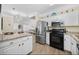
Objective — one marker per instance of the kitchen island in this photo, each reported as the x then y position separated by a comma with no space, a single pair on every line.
17,43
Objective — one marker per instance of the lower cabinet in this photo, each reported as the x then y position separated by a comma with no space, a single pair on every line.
11,50
67,43
70,44
18,46
48,38
74,47
26,46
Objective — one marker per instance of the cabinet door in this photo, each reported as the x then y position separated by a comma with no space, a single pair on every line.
26,46
10,47
1,51
67,43
7,23
48,38
70,44
70,18
74,47
11,50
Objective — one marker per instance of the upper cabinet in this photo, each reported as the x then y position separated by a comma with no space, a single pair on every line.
7,23
70,19
68,14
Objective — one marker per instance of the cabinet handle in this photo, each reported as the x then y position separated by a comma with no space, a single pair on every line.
9,24
27,38
72,43
19,45
22,44
64,39
11,43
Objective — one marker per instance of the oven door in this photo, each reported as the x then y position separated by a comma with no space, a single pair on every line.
57,41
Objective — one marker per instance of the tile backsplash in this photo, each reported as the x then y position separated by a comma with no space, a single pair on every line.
72,29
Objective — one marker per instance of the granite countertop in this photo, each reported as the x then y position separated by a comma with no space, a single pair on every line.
14,36
75,35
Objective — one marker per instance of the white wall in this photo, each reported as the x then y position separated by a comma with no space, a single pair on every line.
31,25
73,28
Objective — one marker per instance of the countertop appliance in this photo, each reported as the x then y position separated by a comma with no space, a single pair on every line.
41,29
57,38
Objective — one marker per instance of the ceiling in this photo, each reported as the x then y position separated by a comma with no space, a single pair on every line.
57,7
27,9
30,9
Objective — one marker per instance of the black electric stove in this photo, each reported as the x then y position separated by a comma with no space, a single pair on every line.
57,38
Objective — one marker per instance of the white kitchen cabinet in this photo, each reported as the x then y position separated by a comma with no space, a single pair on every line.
26,46
8,46
7,23
12,49
18,46
48,38
70,44
74,47
67,43
71,18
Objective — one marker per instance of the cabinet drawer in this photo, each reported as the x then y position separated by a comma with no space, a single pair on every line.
7,43
25,38
12,50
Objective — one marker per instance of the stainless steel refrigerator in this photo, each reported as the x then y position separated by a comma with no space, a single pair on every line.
41,29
